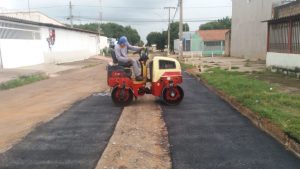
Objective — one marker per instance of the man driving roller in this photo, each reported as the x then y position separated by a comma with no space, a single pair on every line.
121,50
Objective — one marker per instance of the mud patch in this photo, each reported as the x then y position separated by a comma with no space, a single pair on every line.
140,139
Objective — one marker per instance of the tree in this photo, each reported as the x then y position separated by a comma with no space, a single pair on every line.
140,43
161,39
113,30
90,26
132,35
174,31
224,23
157,39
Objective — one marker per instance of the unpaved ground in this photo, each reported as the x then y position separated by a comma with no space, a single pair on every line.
140,139
23,108
284,82
233,63
257,68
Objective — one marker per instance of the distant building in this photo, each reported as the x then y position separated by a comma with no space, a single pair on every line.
213,41
283,38
203,42
249,33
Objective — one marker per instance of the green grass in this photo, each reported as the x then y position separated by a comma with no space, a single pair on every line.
283,109
185,66
21,81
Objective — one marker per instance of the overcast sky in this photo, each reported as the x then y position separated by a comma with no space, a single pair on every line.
127,10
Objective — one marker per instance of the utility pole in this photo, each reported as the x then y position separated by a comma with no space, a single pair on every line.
99,25
71,14
169,27
100,17
28,4
181,28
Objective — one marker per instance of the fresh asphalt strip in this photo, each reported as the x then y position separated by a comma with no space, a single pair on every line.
205,132
73,140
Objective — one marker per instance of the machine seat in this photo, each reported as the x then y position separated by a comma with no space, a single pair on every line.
120,66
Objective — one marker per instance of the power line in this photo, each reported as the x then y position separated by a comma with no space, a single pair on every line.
144,20
180,2
127,7
71,17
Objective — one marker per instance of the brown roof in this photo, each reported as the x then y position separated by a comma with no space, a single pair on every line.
213,35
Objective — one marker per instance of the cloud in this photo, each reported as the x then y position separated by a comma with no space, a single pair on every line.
59,10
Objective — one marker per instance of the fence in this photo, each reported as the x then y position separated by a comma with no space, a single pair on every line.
284,36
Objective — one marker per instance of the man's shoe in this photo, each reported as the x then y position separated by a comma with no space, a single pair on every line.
139,78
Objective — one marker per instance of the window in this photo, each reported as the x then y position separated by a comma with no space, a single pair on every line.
284,37
279,37
213,43
18,31
165,64
296,37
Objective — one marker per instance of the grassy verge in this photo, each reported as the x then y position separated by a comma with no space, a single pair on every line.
21,81
283,109
185,66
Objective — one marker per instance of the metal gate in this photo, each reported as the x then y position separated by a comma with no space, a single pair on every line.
284,36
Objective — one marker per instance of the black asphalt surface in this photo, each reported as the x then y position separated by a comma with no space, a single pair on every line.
73,140
207,133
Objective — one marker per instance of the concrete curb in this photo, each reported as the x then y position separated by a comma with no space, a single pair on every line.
262,123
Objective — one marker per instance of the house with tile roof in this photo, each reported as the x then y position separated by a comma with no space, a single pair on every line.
204,42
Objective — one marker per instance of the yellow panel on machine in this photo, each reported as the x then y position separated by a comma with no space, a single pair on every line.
164,66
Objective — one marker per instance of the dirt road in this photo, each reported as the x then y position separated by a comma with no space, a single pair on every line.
25,107
140,139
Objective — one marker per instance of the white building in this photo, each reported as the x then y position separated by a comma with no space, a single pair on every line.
284,38
248,32
26,43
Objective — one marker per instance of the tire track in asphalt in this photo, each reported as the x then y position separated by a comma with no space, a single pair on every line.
73,140
205,132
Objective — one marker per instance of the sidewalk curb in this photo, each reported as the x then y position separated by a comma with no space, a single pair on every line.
262,123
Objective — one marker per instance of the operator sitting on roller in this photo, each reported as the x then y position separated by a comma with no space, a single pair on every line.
121,50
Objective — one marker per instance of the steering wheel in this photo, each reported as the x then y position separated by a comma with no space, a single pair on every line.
144,55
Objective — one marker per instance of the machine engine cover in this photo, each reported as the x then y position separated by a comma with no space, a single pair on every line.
118,71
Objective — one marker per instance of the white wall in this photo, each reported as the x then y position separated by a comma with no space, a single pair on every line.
249,33
283,60
69,46
176,45
18,53
103,42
